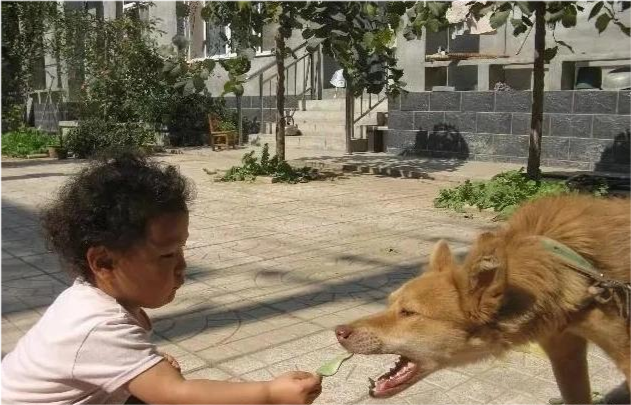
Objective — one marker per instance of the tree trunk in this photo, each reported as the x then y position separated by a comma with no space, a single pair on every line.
280,96
534,149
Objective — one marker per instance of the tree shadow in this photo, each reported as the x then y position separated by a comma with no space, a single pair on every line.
37,162
443,141
616,157
443,149
33,176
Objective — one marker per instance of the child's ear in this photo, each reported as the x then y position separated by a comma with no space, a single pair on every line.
100,260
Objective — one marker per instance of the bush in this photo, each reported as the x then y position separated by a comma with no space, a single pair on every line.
280,170
94,135
25,141
503,193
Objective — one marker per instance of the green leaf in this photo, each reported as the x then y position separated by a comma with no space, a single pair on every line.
339,33
368,38
339,17
526,20
249,53
550,53
209,64
602,22
438,8
168,65
198,83
519,26
498,19
595,10
307,33
524,6
623,28
553,17
189,88
206,12
569,17
204,74
176,71
371,10
433,24
238,89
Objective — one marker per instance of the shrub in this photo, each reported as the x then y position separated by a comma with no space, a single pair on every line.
503,193
94,135
280,170
25,141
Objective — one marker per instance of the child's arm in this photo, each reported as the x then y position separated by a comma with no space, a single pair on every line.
163,384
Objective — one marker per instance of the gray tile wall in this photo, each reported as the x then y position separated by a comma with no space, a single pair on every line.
584,129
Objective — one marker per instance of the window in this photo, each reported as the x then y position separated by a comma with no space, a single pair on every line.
139,9
215,43
218,45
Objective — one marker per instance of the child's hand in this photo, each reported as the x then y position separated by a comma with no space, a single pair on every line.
295,387
171,360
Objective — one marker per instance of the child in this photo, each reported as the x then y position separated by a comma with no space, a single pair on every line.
120,226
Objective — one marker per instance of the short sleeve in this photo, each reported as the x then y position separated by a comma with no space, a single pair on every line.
113,353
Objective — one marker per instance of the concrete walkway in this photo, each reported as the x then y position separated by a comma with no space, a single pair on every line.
272,268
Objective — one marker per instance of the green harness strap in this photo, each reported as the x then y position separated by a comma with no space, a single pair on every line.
571,257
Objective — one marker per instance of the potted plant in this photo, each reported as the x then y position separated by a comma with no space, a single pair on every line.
58,150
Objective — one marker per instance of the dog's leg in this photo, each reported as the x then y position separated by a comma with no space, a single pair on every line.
568,355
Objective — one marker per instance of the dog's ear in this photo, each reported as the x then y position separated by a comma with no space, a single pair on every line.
482,280
441,258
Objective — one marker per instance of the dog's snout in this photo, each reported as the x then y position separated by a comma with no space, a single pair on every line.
342,332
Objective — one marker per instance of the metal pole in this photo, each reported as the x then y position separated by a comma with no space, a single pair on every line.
312,73
239,121
320,71
350,104
261,122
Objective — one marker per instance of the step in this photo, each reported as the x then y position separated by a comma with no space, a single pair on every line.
339,104
299,142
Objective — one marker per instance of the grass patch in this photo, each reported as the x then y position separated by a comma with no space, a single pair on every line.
503,193
26,141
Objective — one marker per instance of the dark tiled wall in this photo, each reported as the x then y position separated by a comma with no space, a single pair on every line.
584,129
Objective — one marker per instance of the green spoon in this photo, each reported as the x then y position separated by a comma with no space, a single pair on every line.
331,367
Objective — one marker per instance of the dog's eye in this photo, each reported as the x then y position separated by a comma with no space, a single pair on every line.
406,312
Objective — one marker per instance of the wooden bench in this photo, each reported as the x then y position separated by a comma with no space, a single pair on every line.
218,139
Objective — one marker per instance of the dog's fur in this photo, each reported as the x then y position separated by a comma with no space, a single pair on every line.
510,291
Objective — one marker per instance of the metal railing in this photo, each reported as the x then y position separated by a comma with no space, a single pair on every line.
353,116
303,81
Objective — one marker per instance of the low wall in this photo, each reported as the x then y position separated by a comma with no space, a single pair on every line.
581,129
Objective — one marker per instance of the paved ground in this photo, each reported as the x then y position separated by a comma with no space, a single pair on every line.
272,268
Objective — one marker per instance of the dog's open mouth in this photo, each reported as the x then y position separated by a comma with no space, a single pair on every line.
404,373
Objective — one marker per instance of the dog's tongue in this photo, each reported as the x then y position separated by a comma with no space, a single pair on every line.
388,383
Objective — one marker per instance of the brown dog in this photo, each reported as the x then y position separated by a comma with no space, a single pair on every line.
510,290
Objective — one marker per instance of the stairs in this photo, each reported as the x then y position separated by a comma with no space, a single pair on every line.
322,125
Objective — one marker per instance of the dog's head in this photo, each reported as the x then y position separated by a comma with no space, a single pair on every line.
435,320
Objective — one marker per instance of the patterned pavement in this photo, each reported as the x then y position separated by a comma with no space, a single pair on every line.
272,269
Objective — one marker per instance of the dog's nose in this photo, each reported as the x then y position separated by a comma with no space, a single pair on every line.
343,332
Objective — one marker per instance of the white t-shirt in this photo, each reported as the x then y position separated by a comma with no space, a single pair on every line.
84,349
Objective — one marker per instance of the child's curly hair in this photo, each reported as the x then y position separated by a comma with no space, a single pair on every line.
109,203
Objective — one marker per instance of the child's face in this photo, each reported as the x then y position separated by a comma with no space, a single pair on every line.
149,274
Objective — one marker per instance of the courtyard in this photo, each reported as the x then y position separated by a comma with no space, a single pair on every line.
272,268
